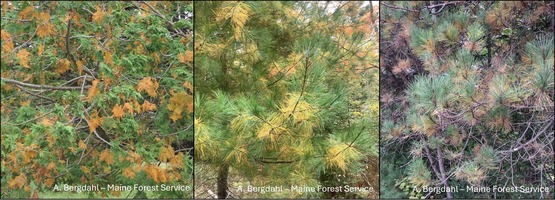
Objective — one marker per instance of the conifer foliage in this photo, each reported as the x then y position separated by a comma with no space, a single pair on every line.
286,95
96,93
467,93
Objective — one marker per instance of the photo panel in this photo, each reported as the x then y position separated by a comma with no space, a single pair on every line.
97,99
286,99
466,94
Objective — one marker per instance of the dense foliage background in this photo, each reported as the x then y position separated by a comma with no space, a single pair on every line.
96,93
467,94
286,94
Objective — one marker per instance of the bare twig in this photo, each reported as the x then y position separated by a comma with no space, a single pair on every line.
544,130
432,7
398,8
13,19
184,149
22,45
75,79
157,12
444,4
47,87
36,95
89,11
31,119
81,36
164,17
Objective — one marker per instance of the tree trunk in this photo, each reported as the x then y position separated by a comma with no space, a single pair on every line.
442,171
223,172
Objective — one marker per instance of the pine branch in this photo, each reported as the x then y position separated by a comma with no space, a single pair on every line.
267,122
327,106
282,76
263,160
350,144
306,66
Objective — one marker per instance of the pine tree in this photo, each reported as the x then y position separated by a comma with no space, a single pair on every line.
469,98
285,94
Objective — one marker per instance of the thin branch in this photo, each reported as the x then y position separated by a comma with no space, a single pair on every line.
22,45
276,162
90,12
398,8
283,75
157,12
444,4
19,20
544,130
98,136
31,119
303,87
68,34
36,95
47,87
164,17
429,155
75,79
184,149
81,36
350,144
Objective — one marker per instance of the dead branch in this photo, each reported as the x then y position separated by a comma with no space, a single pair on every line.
44,87
398,8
